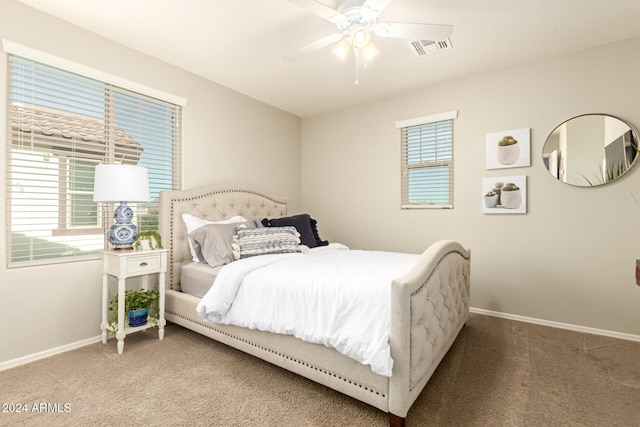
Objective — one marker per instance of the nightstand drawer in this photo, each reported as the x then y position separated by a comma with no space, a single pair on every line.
142,265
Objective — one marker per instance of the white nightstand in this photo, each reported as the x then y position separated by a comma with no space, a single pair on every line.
123,265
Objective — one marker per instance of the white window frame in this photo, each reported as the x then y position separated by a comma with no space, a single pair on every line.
435,143
141,93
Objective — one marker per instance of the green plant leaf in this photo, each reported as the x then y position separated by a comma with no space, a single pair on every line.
135,300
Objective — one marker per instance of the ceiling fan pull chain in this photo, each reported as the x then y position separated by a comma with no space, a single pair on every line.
357,61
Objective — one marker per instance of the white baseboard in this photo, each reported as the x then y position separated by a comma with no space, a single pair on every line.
41,355
604,332
630,337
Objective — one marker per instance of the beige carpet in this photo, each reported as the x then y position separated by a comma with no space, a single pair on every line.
498,373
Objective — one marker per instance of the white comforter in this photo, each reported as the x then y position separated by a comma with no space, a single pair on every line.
331,295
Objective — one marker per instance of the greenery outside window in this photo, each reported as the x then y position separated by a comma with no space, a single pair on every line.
83,212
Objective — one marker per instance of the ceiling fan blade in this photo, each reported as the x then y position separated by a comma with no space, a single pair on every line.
377,5
318,44
433,32
320,10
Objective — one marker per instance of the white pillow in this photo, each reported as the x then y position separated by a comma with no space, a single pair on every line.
193,222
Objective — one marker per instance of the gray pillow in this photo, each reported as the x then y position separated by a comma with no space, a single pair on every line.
212,242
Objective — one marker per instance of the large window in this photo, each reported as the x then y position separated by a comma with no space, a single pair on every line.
427,161
61,124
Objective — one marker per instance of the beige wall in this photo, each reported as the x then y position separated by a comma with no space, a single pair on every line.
570,259
227,137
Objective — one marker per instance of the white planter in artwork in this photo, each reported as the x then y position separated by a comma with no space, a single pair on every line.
491,201
508,154
511,199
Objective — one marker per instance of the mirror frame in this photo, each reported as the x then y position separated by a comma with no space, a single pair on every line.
629,145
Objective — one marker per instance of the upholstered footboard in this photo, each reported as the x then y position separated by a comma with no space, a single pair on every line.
429,306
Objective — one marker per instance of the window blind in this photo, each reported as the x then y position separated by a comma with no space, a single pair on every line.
60,125
427,164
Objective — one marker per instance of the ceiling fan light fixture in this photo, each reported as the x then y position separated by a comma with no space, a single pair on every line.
341,49
360,36
357,20
369,52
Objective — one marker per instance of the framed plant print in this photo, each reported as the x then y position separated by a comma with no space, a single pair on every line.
509,149
504,194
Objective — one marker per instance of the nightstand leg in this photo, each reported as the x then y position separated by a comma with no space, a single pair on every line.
105,304
121,334
161,321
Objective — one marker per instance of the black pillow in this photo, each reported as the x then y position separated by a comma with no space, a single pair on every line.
314,229
306,226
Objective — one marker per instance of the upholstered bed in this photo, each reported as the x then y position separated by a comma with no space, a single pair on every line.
429,306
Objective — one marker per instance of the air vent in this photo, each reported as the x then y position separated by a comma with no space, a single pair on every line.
428,47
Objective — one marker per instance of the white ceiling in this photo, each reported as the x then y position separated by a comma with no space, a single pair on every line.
241,43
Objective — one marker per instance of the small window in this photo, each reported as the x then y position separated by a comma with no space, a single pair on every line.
427,161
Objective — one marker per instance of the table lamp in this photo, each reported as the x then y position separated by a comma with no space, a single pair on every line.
121,183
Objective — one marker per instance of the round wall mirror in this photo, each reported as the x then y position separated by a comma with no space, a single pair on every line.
590,150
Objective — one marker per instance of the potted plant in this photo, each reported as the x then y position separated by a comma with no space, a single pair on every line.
147,240
491,199
140,305
510,196
508,150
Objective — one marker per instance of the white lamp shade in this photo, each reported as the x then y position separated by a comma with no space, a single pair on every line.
121,183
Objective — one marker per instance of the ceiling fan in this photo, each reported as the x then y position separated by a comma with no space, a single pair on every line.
356,20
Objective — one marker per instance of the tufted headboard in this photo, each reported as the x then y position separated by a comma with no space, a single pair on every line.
214,203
